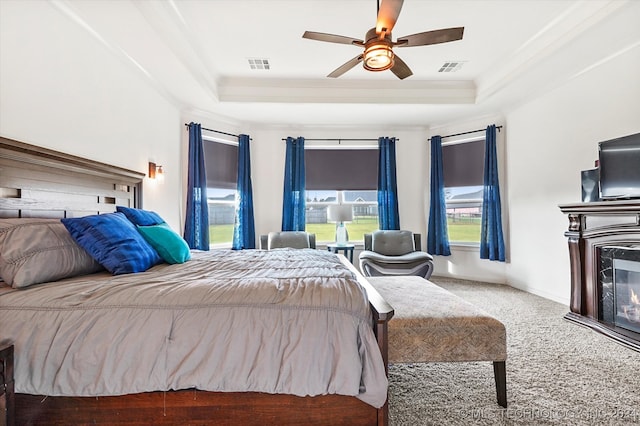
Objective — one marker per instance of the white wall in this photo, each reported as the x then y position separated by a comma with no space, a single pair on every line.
94,106
550,140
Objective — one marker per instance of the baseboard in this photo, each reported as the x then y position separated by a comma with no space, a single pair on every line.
535,291
545,294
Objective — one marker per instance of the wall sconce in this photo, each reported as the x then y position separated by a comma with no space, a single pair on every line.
156,172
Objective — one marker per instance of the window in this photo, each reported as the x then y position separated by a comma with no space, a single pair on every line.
221,163
341,176
463,170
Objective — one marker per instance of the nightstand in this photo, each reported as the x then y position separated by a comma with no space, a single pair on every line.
347,248
6,385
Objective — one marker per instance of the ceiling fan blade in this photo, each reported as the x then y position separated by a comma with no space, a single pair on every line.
346,66
431,37
332,38
388,15
400,68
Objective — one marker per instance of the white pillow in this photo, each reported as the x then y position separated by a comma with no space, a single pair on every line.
34,251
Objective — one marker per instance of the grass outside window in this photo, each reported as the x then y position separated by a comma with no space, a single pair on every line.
221,234
462,232
326,232
467,231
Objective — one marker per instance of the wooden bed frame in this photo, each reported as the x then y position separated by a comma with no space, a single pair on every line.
39,182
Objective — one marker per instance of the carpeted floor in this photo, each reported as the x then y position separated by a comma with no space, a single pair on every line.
557,372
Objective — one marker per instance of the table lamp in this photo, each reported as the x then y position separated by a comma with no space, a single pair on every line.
340,213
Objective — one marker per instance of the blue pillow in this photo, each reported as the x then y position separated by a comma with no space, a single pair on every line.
113,242
140,217
169,245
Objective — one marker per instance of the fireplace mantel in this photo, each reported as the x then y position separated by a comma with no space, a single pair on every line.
593,226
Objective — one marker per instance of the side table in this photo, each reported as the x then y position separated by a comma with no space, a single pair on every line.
346,248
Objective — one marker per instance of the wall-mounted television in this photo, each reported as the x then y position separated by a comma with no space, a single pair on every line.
620,168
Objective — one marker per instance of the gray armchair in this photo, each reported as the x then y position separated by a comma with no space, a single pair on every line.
394,253
290,239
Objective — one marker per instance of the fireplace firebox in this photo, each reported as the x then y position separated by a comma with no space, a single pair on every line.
626,290
604,249
620,287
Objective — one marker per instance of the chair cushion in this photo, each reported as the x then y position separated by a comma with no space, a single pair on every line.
415,263
290,239
415,256
392,243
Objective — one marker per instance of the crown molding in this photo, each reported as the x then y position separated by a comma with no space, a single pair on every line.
67,8
346,91
577,20
171,27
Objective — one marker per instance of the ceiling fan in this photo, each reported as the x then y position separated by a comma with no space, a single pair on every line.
378,46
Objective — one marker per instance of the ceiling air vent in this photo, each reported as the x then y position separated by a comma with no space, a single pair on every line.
259,64
451,66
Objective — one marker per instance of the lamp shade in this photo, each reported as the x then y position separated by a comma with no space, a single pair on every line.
339,213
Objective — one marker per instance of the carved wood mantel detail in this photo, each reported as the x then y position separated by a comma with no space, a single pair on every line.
593,226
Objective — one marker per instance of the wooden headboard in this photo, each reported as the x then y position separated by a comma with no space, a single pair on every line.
39,182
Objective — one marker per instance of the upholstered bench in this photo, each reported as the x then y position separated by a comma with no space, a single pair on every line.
431,324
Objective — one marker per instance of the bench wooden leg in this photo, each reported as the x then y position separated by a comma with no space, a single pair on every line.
500,374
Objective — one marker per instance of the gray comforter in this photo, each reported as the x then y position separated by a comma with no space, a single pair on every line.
280,321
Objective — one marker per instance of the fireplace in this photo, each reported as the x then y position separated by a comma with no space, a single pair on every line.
604,249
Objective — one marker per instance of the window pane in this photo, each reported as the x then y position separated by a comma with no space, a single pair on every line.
457,193
222,214
464,212
221,163
361,197
365,213
365,217
463,172
321,196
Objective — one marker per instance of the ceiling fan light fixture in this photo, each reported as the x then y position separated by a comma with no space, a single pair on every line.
378,43
378,57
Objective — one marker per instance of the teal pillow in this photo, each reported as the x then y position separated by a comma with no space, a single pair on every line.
169,245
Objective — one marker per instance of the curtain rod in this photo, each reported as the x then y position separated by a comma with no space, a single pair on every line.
216,131
466,133
341,139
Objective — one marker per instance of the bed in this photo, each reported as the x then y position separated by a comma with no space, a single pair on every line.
183,372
